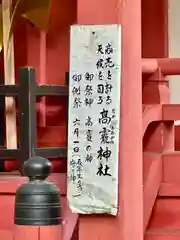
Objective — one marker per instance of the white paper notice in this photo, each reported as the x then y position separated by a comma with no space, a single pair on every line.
94,113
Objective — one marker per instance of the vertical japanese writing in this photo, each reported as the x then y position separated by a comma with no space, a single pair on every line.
104,67
76,91
76,162
88,89
88,133
89,100
81,97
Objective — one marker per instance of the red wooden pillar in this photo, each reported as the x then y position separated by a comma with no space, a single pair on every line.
155,88
154,28
159,136
128,224
37,204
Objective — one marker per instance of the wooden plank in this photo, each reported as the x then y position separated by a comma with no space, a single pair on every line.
10,182
171,112
152,175
9,74
169,189
26,232
171,166
70,220
170,186
51,233
151,113
6,234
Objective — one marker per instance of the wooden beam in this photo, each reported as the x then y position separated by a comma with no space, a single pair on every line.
152,176
9,74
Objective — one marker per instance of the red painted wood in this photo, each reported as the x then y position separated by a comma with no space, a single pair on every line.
169,189
51,233
48,137
38,233
58,165
165,221
154,28
152,175
171,112
26,233
151,113
35,233
177,138
160,235
10,183
6,235
70,221
98,227
7,208
168,66
158,136
8,187
155,93
130,198
63,13
27,52
171,166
